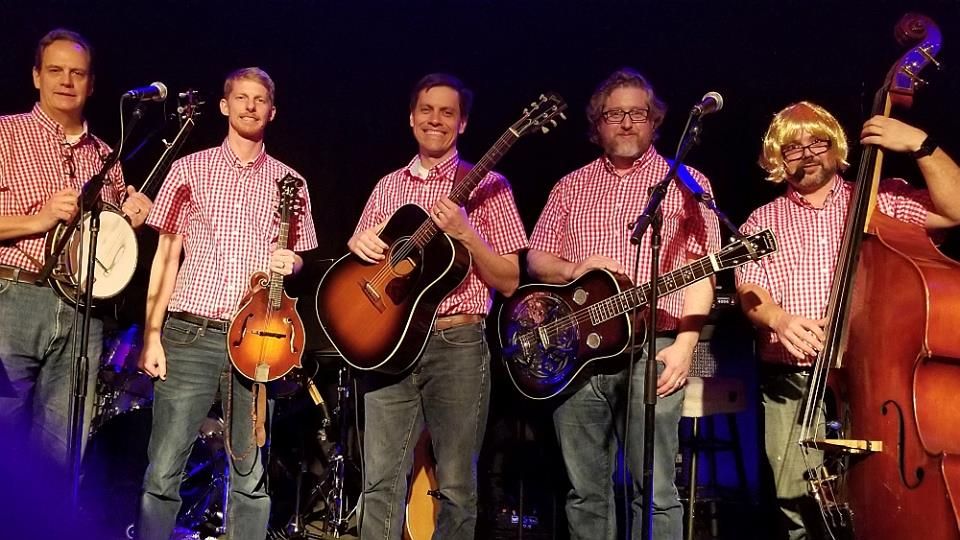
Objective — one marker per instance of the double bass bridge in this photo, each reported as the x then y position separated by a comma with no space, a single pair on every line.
847,446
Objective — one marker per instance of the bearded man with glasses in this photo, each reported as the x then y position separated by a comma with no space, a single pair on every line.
786,294
586,225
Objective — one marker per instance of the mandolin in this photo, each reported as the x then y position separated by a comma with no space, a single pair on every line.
265,339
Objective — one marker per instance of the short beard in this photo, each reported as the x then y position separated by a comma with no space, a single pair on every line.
623,149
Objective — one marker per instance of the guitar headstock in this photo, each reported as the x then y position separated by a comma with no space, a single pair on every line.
752,248
922,35
541,115
290,201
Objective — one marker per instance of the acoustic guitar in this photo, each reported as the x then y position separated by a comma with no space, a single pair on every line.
378,316
550,333
423,505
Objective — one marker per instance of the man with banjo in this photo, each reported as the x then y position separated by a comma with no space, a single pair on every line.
46,156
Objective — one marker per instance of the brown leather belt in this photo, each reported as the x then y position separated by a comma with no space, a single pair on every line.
452,321
215,325
18,275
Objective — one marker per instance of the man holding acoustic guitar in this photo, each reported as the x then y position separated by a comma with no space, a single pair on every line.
586,225
448,390
218,208
46,156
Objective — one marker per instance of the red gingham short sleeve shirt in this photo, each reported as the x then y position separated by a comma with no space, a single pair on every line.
226,212
36,161
491,210
799,276
590,212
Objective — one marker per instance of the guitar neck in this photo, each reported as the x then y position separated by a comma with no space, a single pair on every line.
276,279
152,184
640,296
462,190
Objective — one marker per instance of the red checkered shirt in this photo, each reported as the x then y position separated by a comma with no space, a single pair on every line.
590,212
36,161
226,211
491,209
800,274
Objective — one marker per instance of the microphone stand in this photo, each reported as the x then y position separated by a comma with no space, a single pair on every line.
651,216
90,198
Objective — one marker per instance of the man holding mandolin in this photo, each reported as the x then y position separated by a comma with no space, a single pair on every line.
46,156
586,225
448,390
786,296
218,208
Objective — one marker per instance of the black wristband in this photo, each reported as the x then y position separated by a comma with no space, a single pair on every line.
926,148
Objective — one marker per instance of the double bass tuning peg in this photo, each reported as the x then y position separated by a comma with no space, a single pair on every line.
925,51
914,77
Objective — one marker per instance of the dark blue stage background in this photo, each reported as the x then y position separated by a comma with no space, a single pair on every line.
344,68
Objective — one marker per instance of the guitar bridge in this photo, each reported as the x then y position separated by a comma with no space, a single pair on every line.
371,293
848,446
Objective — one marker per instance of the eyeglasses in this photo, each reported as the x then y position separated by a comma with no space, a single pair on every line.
616,116
793,152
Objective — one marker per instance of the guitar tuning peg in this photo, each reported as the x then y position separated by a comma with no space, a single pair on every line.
544,129
562,116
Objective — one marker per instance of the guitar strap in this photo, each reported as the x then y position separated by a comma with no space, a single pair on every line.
463,169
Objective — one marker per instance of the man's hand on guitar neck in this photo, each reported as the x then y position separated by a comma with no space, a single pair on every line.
452,219
136,207
285,262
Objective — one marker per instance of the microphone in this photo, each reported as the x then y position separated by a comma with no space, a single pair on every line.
711,102
156,91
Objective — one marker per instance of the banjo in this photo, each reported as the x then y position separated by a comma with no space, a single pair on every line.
117,252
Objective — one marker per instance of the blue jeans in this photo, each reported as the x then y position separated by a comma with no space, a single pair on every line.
798,514
448,391
589,425
197,366
36,367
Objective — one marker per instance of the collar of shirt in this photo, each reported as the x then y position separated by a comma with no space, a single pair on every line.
638,164
53,128
231,157
798,199
445,170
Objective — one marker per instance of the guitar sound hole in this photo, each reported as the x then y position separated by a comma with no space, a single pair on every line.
543,342
406,267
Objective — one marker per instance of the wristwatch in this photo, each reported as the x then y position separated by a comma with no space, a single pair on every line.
926,148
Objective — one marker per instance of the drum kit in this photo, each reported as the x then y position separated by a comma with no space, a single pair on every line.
313,469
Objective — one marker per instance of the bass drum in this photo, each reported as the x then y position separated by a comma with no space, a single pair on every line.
121,388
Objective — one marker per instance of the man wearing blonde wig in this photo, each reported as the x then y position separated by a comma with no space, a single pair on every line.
786,295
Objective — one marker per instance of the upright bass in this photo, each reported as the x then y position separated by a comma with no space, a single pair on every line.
884,394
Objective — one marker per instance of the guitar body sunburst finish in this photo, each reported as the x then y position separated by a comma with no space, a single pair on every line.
265,344
379,316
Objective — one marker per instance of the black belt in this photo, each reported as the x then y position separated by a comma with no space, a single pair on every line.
19,275
215,325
